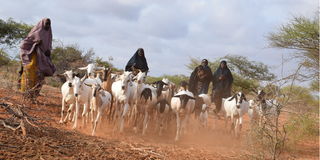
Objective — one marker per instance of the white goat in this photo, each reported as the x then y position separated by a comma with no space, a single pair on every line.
83,96
67,94
91,68
101,100
202,105
136,111
204,116
168,90
235,107
151,96
123,91
182,105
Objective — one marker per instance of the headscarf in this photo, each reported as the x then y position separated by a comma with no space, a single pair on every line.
138,62
28,46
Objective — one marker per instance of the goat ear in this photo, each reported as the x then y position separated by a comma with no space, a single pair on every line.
75,74
83,68
163,83
233,97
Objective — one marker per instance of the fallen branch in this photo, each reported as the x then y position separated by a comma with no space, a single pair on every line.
146,151
19,115
8,146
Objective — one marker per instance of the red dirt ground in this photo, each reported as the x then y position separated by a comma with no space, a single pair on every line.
56,141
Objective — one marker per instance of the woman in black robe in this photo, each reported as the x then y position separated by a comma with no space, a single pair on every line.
222,82
137,61
200,78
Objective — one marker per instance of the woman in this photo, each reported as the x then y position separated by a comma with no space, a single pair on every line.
35,51
222,82
137,61
200,78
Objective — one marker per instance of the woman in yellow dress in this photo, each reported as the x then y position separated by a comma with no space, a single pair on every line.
35,51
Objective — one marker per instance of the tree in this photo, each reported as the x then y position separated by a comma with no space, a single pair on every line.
12,32
301,35
70,57
301,96
102,62
176,79
4,58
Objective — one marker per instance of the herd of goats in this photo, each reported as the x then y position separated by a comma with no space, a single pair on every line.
126,97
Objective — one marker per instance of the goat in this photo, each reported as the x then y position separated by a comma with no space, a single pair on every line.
91,68
106,79
205,105
203,117
168,90
151,96
82,94
265,107
182,105
67,94
163,114
123,91
101,100
136,111
235,107
163,108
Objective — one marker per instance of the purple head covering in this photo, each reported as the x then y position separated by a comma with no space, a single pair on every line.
29,45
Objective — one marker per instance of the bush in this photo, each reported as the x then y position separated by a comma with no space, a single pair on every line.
303,126
9,76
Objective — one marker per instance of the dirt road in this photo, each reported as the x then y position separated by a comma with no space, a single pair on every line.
56,141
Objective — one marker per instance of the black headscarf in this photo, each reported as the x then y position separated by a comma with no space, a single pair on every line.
226,81
137,61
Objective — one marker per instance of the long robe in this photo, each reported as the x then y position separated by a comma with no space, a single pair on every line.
35,58
222,83
199,81
138,62
43,50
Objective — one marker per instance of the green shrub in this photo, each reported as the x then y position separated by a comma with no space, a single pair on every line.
303,126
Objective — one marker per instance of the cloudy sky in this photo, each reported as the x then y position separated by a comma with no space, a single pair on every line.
169,31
